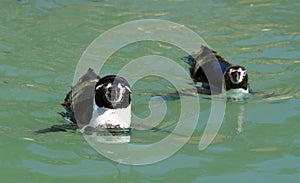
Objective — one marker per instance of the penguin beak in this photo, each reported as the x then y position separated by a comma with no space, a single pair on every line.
236,76
113,93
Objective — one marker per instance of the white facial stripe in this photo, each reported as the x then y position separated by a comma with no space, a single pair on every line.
122,91
128,88
99,86
244,72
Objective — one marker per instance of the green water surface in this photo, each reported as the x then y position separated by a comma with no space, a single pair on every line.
41,42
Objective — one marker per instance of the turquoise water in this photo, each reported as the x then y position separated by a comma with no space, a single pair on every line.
42,41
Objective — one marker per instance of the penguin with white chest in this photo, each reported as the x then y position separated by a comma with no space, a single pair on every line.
208,62
112,103
97,103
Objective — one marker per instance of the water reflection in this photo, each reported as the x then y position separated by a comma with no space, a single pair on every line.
236,119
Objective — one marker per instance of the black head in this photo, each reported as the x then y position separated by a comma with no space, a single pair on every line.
236,77
112,92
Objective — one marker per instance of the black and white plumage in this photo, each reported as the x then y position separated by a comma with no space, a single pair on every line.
112,103
208,62
102,103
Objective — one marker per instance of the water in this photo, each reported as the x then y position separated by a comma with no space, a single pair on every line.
42,41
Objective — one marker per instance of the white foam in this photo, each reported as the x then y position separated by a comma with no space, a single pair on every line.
238,94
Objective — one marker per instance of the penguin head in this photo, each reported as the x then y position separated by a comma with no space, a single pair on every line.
112,92
236,77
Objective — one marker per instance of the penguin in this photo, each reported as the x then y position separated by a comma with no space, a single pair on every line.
209,68
96,103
